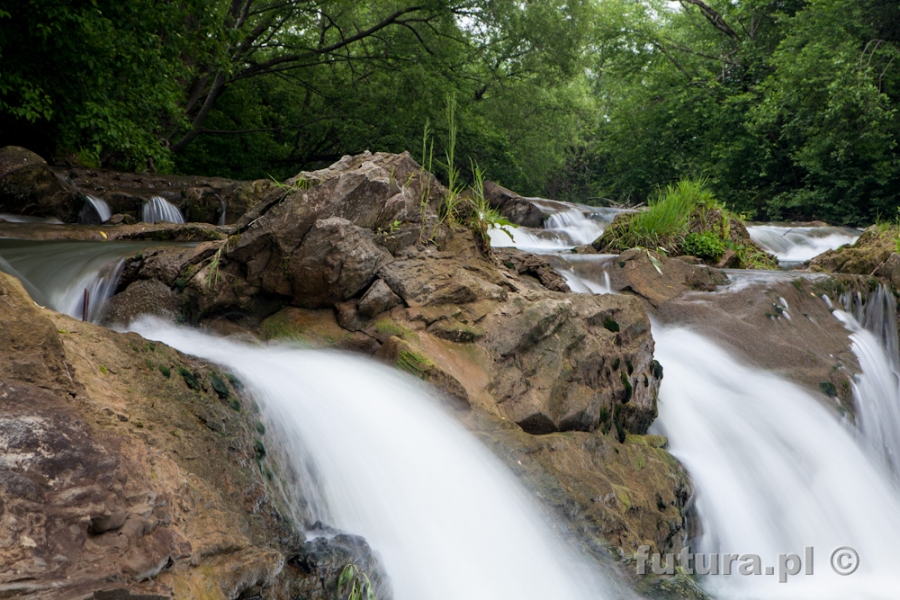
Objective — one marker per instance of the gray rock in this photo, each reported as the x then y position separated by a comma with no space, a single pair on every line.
377,299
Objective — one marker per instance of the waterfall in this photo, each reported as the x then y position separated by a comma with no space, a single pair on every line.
447,520
876,390
568,225
100,207
56,274
159,209
578,228
774,472
794,245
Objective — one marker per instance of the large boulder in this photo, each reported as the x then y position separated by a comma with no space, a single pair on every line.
29,187
359,256
519,210
128,470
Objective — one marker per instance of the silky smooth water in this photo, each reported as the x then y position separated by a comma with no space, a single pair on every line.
56,274
446,518
159,209
567,225
774,471
795,244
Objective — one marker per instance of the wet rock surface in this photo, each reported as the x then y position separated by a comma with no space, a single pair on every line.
125,473
359,257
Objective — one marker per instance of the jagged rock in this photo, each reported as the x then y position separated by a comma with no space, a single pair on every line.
534,265
29,187
378,299
504,340
517,209
335,261
102,494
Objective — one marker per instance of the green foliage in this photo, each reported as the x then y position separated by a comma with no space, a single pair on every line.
706,245
790,109
219,386
189,378
665,223
165,371
354,584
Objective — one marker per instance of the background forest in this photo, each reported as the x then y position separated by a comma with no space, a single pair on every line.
788,109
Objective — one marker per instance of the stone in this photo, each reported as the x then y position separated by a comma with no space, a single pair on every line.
378,299
519,210
143,297
335,262
28,186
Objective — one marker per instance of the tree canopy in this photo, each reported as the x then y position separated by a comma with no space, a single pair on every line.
788,108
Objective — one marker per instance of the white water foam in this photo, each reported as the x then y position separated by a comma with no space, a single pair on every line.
100,207
159,209
794,245
448,521
774,472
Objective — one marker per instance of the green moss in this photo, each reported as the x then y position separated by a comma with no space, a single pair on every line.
189,378
388,327
219,386
238,385
628,388
165,371
103,370
611,324
828,388
260,428
235,404
413,363
260,449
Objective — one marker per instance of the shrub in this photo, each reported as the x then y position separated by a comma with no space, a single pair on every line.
705,245
665,223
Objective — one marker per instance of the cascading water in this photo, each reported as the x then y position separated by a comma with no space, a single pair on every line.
872,322
159,209
794,245
446,518
774,472
56,274
567,225
100,207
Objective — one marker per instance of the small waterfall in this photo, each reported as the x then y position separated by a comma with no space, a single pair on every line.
577,227
774,472
447,520
99,206
795,245
568,225
872,322
56,274
159,209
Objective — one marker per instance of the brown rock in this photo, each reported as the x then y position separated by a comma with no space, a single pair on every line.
667,279
335,262
143,297
519,210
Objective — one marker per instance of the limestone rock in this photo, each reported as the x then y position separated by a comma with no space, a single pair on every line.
335,261
519,210
378,299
